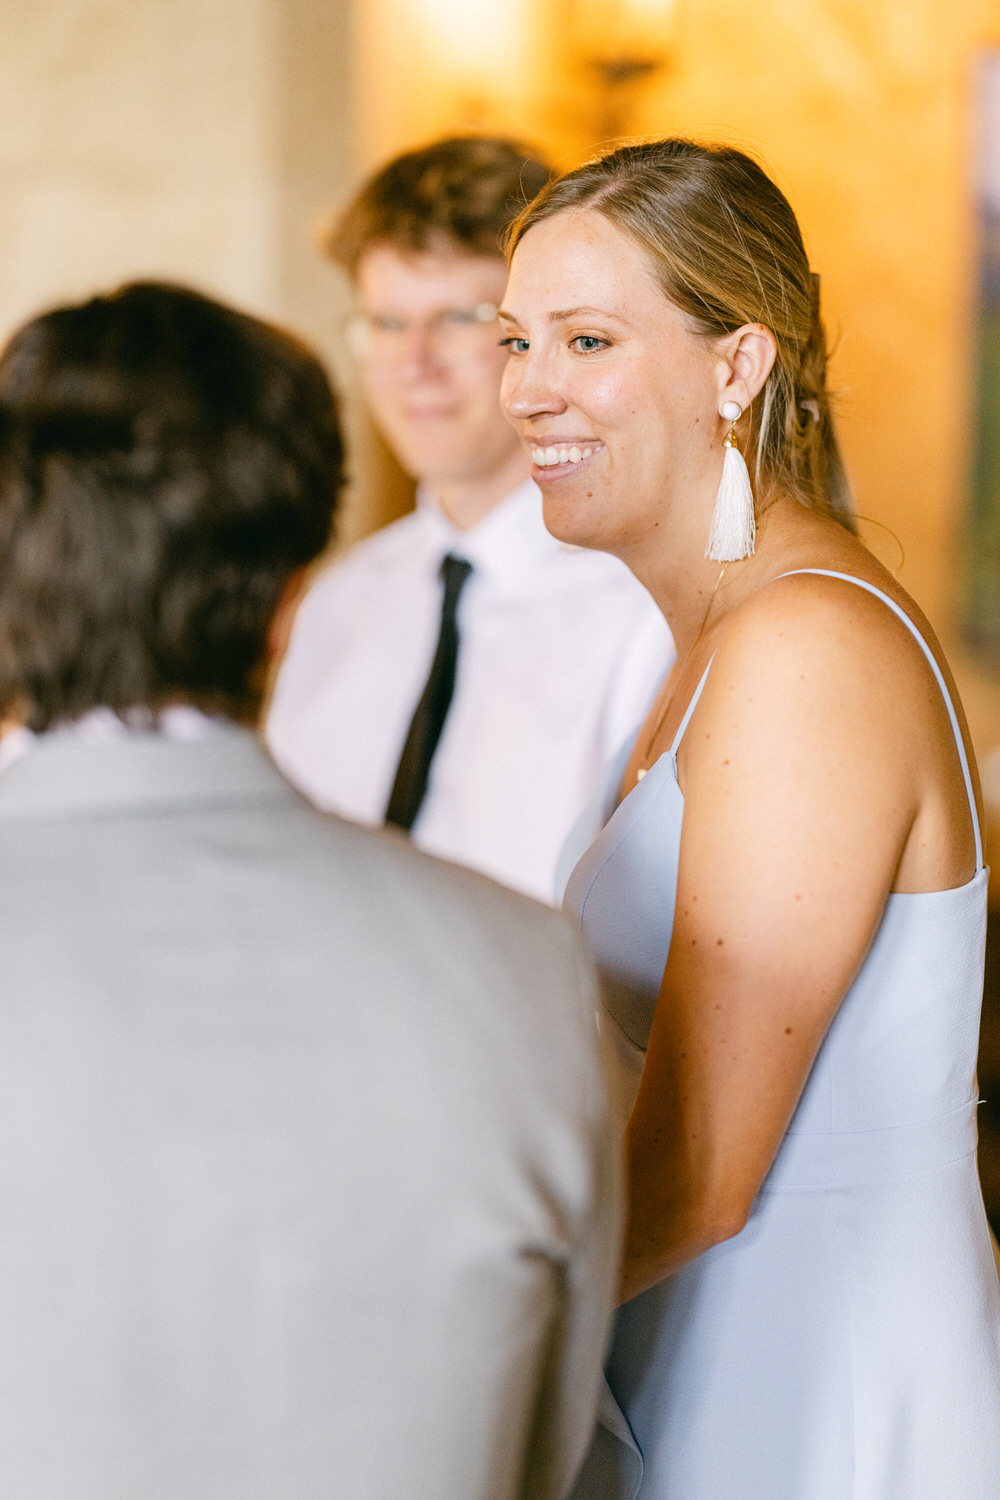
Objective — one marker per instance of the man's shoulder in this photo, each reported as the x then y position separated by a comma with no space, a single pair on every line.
379,565
423,889
588,568
400,544
599,593
421,908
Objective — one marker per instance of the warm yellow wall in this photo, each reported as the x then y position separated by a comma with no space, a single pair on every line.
862,110
864,113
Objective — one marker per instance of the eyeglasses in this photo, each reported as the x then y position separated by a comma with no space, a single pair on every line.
454,332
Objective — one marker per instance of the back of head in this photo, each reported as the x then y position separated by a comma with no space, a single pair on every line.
460,194
166,465
726,249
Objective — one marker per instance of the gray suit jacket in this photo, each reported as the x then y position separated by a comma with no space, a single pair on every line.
306,1188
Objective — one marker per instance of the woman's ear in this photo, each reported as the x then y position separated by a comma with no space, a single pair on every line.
745,360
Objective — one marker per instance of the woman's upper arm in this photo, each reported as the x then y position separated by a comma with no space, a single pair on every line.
797,806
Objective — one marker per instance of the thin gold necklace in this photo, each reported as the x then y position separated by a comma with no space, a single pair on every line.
652,736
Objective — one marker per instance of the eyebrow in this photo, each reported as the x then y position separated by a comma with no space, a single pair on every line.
561,315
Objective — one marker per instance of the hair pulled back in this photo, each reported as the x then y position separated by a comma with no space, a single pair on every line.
726,249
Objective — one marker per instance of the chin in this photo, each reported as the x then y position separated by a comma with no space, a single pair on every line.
445,459
571,524
428,461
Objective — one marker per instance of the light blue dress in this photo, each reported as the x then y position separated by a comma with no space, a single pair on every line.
846,1344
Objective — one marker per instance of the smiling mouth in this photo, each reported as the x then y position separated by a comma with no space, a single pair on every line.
553,455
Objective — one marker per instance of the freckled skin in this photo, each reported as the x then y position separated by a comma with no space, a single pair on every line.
794,807
638,394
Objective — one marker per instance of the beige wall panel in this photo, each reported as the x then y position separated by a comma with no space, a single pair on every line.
136,139
190,139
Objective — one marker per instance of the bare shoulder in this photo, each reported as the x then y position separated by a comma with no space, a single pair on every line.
820,689
821,710
815,681
825,631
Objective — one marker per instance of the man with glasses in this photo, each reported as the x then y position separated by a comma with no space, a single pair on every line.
459,674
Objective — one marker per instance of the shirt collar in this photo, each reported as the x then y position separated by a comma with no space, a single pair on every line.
507,544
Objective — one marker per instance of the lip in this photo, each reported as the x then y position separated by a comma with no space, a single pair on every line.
545,473
429,413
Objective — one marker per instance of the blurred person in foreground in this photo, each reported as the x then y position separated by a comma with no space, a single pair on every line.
788,904
460,673
307,1188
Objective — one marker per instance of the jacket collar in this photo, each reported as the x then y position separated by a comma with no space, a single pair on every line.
60,776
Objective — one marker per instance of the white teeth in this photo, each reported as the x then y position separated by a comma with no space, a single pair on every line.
547,458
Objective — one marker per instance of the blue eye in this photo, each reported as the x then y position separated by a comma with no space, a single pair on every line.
588,343
514,344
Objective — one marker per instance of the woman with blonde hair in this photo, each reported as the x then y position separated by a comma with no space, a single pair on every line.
788,904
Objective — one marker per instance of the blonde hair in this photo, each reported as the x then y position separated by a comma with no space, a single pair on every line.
727,250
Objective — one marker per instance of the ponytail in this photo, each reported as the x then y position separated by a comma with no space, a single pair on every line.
816,463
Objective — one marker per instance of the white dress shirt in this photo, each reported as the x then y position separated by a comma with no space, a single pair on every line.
561,652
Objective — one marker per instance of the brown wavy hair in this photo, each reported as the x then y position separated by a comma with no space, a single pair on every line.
166,464
462,192
726,249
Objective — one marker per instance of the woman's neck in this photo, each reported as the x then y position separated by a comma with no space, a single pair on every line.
687,586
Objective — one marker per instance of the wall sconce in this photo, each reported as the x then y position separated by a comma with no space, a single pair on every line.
623,42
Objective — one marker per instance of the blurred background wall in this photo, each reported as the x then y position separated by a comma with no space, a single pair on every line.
202,140
864,114
188,139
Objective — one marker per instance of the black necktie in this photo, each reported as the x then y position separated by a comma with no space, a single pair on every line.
422,737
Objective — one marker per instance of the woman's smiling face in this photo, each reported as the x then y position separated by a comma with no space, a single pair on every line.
613,394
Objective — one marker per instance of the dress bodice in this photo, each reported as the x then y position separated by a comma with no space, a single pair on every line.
845,1344
909,1022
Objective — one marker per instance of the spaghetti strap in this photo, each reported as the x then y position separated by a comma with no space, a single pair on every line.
939,676
691,707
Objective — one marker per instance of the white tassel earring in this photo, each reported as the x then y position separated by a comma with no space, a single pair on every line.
733,528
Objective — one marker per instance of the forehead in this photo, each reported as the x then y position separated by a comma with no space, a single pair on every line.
422,281
578,258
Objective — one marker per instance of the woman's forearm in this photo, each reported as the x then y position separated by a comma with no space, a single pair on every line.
663,1233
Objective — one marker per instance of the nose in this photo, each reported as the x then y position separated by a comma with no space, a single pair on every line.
525,392
418,352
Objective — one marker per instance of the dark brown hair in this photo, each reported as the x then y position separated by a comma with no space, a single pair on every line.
166,464
461,192
726,249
